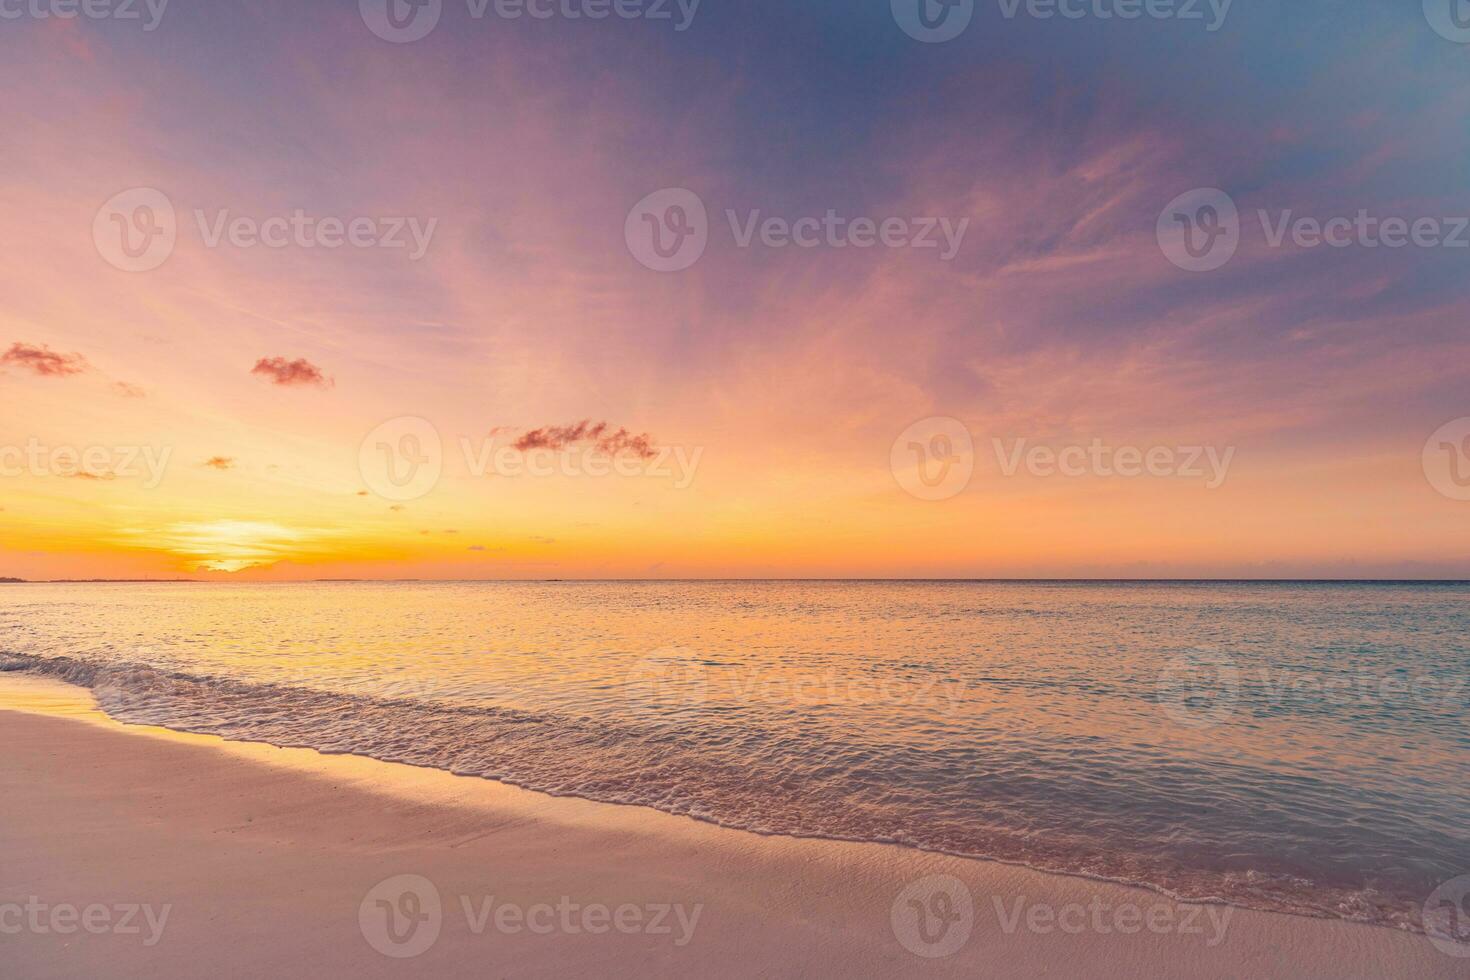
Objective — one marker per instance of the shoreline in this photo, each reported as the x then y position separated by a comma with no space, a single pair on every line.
1313,901
100,716
294,861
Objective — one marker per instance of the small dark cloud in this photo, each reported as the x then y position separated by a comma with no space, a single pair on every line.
220,462
598,435
279,371
43,361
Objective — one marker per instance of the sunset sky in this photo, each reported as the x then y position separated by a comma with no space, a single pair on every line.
783,375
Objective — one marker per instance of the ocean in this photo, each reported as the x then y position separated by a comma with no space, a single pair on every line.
1299,747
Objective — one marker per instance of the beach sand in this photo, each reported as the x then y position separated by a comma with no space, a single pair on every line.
270,860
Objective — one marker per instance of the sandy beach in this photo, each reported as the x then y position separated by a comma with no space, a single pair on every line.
137,852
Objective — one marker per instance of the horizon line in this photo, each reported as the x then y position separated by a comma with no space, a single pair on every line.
861,579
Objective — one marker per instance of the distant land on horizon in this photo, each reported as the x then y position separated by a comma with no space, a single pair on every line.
94,581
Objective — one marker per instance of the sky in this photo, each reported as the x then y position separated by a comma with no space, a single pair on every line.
971,317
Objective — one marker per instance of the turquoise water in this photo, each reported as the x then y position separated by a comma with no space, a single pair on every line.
1292,746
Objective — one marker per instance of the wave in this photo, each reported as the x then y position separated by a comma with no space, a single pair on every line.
685,771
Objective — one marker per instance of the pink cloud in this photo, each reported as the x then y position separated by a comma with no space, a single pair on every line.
280,371
67,36
597,435
43,360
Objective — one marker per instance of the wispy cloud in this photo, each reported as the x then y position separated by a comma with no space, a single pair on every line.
227,545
